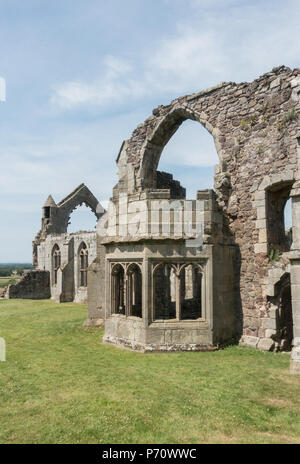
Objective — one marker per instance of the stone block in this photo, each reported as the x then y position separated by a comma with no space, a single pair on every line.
295,360
262,236
270,333
248,340
266,344
260,195
275,83
258,203
261,212
264,183
261,224
268,323
260,248
270,290
273,313
295,291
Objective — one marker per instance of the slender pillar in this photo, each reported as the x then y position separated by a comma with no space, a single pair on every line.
178,297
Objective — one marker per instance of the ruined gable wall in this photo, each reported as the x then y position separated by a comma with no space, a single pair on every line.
255,127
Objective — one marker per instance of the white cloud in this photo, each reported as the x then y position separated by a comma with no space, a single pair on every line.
211,41
115,85
61,159
187,60
237,43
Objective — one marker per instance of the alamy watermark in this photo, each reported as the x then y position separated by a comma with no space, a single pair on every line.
2,349
2,89
154,218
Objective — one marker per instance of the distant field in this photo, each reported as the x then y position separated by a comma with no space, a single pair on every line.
8,269
60,384
4,281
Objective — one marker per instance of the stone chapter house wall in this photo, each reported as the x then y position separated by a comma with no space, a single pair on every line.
33,285
255,128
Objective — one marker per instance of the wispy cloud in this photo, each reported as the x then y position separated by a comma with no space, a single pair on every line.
102,73
238,42
115,84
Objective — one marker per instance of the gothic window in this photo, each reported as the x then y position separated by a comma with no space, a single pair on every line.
47,212
278,222
282,300
118,290
55,262
190,292
164,282
134,298
177,291
83,265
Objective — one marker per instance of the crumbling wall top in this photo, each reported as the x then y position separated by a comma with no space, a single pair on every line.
236,115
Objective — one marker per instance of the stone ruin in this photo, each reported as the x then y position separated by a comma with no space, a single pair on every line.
64,256
173,274
33,285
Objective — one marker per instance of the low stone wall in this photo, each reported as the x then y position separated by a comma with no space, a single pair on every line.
33,285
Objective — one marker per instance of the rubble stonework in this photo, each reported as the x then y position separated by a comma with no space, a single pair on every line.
255,127
160,285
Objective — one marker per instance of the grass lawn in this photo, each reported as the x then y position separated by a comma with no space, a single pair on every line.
60,384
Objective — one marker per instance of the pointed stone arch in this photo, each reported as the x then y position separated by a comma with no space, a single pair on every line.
165,128
81,195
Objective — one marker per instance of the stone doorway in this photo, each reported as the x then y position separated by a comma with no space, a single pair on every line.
284,315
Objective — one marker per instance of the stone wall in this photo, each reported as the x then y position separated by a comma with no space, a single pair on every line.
33,285
69,288
164,180
96,288
255,127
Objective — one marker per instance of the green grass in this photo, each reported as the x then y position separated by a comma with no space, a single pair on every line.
60,384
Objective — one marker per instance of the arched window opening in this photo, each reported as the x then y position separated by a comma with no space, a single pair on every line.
47,212
191,156
82,219
83,264
279,222
134,290
284,317
55,262
118,290
190,292
164,292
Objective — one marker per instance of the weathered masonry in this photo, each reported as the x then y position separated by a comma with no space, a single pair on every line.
65,256
243,281
167,273
60,259
164,290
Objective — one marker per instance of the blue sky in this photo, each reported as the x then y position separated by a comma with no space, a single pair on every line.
80,75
